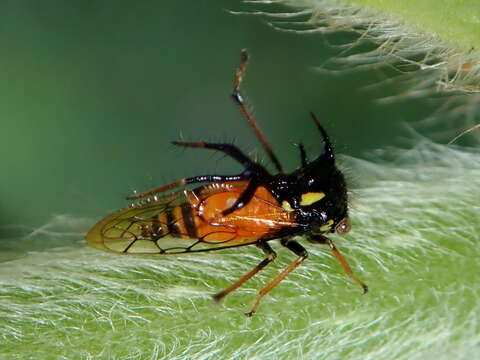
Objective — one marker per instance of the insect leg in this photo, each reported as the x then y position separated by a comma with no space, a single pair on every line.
243,199
230,150
247,114
302,255
253,171
186,181
271,255
346,267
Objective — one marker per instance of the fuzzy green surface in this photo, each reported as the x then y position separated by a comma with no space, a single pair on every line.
415,241
455,22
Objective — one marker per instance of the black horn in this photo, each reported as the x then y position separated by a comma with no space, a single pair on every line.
328,148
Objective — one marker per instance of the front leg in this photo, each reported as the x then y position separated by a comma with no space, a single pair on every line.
320,239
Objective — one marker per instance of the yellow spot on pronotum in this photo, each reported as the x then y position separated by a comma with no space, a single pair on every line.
286,205
327,226
311,197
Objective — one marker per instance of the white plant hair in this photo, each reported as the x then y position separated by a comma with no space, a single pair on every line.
415,241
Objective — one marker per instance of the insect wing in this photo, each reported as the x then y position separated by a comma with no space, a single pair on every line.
138,229
160,227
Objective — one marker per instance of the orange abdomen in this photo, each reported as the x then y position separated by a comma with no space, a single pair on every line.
261,216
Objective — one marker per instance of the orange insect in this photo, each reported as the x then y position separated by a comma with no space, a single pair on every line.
250,208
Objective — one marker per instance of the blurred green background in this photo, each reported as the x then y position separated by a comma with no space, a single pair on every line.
93,91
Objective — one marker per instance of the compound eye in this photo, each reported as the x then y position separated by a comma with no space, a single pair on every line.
343,226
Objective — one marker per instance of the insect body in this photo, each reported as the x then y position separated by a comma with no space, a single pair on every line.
252,207
192,221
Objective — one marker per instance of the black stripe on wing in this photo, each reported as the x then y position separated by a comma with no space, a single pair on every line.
149,228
